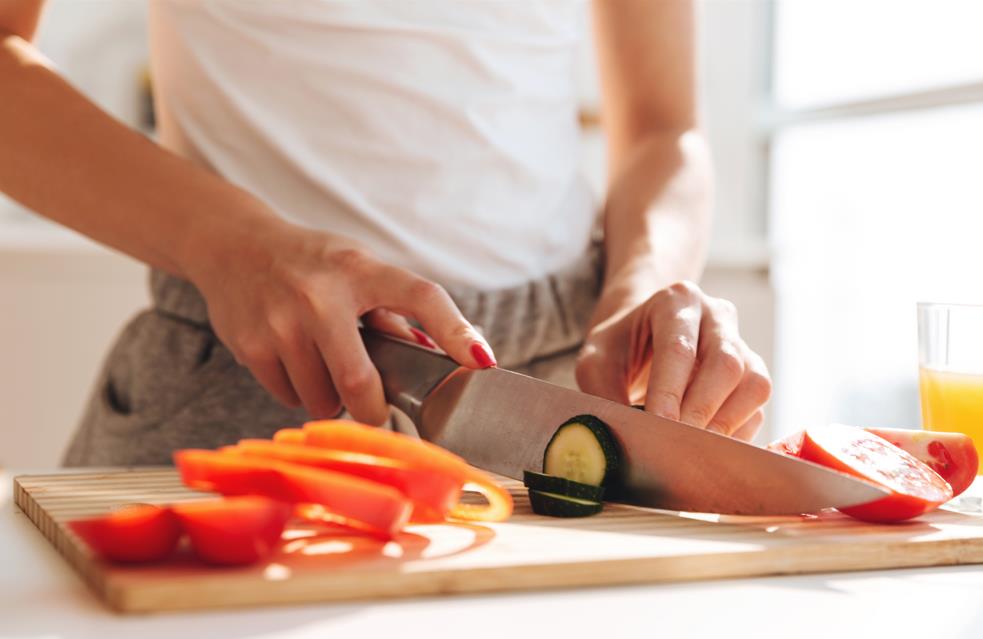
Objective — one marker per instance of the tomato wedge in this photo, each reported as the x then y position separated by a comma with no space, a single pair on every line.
789,445
952,455
233,530
376,508
133,534
915,488
354,437
433,494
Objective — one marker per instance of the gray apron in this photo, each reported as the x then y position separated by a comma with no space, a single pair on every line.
169,383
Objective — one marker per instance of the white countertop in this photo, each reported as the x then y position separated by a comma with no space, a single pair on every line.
40,597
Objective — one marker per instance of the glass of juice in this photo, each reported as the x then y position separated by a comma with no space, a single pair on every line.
950,360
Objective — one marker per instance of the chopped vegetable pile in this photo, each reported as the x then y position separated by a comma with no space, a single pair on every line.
365,479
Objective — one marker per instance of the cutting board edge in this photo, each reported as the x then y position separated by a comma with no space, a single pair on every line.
82,564
127,596
164,597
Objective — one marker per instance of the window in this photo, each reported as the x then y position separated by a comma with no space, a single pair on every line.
876,197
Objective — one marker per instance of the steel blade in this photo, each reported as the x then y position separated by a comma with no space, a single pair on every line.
501,421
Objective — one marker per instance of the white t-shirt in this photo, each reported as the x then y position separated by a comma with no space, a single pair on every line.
441,133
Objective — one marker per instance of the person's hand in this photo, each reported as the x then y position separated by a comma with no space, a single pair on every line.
680,353
286,301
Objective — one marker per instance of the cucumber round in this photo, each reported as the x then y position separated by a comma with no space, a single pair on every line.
554,505
583,450
560,486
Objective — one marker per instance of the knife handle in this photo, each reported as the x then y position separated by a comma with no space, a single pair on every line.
409,372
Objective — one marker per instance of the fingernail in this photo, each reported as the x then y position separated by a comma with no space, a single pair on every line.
482,355
422,338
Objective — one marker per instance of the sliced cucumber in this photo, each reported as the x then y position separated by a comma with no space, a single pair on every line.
554,505
583,450
560,486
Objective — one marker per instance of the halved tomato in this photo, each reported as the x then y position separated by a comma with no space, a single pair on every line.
788,445
233,530
951,455
354,437
915,488
137,533
433,493
370,505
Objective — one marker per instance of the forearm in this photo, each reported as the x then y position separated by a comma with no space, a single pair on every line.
656,219
67,160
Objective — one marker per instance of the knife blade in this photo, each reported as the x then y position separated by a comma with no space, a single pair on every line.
501,421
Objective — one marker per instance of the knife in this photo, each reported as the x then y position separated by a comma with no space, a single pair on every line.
501,421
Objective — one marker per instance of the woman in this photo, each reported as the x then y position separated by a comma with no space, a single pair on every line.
322,163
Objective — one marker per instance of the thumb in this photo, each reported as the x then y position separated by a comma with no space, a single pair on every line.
599,373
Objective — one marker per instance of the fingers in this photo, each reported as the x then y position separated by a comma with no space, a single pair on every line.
744,402
675,335
721,368
311,380
598,376
430,305
716,378
384,320
702,373
273,377
751,427
355,378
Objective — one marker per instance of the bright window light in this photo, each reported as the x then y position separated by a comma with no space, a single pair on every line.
870,215
844,50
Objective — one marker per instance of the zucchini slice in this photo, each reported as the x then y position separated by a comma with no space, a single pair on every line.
554,505
560,486
583,450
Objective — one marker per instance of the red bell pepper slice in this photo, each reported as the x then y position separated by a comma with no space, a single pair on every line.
290,436
380,509
233,530
351,436
133,534
433,494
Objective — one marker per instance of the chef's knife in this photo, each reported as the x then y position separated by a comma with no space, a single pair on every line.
501,421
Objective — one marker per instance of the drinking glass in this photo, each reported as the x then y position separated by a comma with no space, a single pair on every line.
950,362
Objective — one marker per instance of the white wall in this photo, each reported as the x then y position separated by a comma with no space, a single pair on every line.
62,303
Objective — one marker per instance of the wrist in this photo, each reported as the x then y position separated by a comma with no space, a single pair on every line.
240,230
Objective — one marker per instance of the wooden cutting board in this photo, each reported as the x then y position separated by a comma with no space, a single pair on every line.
622,545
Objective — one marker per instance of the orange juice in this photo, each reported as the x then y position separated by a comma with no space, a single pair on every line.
953,401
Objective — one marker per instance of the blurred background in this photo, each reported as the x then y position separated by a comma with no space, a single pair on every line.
848,143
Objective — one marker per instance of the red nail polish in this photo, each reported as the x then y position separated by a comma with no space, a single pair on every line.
422,338
481,355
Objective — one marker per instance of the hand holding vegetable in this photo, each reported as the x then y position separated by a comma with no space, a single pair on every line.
680,352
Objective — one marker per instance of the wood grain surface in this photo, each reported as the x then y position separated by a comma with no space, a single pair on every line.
623,545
